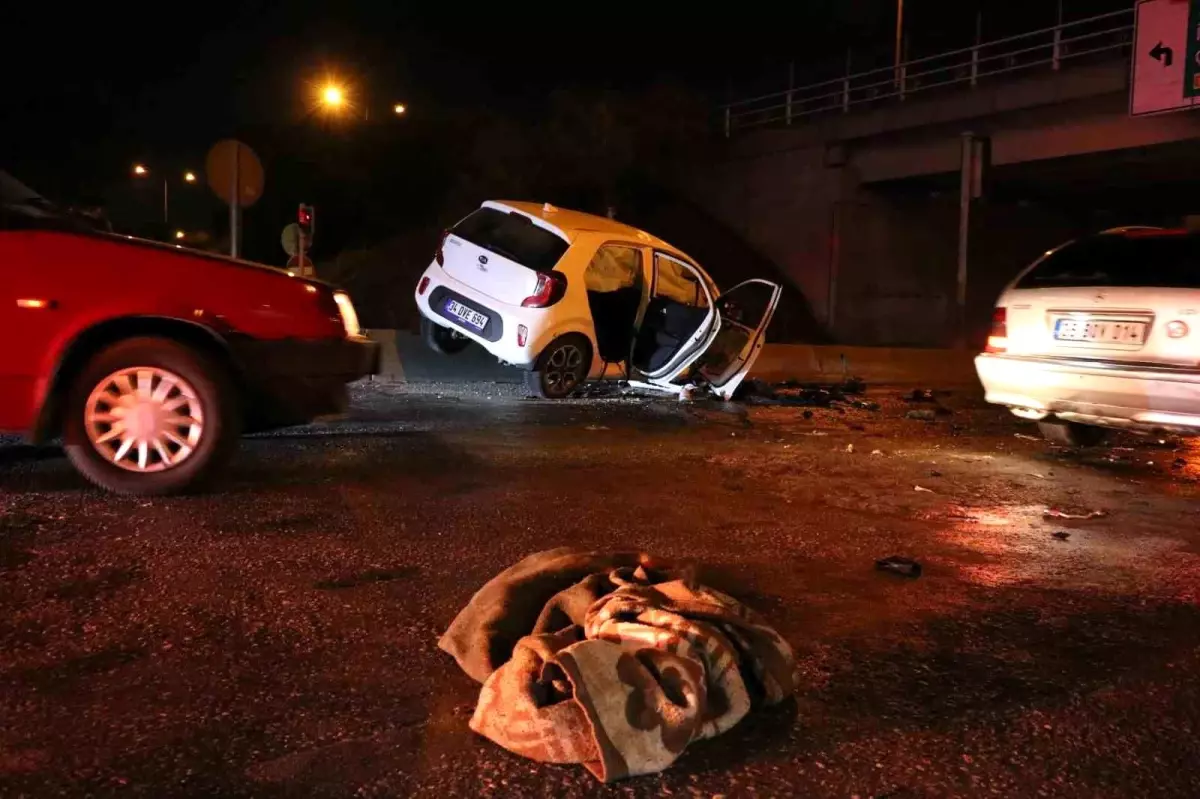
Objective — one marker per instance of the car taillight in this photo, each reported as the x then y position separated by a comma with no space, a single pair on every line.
440,256
549,290
522,335
998,336
424,284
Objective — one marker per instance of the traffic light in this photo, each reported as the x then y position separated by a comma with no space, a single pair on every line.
305,218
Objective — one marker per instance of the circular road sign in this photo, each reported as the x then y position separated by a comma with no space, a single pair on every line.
229,159
293,239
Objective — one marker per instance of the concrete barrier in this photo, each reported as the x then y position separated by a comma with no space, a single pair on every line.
406,358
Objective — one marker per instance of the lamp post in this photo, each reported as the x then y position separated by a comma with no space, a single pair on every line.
334,99
141,171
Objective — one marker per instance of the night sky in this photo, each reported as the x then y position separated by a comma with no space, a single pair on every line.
88,93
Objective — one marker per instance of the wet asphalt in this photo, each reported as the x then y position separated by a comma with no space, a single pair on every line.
276,636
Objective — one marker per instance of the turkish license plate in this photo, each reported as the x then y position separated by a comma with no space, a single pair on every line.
468,316
1101,331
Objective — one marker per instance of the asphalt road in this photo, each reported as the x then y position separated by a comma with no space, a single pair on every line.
277,636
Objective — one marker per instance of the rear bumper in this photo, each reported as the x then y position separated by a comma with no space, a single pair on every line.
1111,395
499,337
292,382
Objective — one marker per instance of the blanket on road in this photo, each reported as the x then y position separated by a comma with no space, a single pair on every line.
612,661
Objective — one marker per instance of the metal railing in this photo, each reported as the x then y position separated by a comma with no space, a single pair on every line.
1100,37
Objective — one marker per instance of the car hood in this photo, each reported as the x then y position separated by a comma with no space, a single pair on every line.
184,252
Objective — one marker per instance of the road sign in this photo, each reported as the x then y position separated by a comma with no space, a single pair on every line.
293,239
231,163
1165,52
304,268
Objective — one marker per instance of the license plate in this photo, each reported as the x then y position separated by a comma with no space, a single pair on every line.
1103,331
468,316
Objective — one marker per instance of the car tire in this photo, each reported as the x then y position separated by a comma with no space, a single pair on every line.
442,340
561,367
105,400
1072,434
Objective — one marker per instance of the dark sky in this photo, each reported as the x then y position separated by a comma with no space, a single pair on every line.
88,92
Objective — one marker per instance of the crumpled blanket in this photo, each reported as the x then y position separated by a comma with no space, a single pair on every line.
612,661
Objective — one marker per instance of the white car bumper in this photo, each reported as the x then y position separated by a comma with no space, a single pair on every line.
500,336
1139,397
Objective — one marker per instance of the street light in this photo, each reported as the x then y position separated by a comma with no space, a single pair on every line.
140,170
332,96
399,108
179,234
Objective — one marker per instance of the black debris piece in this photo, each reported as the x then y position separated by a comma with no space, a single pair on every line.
1178,463
905,567
1061,535
837,396
934,473
921,395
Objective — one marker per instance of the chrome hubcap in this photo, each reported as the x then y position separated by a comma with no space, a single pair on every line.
144,419
564,368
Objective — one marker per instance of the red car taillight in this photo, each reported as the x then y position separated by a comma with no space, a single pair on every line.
440,256
550,289
998,337
424,284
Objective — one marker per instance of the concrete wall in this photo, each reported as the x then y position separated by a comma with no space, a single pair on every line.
861,211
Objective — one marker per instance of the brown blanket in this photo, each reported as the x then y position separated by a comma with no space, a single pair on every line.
611,660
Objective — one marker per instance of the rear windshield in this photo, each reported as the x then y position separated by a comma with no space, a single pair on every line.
513,236
1161,261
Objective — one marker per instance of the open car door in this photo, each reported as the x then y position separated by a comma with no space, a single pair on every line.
744,313
679,324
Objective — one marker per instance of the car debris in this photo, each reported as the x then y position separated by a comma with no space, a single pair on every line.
1024,437
923,490
850,448
905,567
1056,513
922,415
1061,535
837,396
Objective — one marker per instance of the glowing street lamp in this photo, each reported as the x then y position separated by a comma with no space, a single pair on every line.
399,109
333,97
179,234
141,171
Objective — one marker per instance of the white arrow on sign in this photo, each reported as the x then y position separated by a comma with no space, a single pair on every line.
1156,84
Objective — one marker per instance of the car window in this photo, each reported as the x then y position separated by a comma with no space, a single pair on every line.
677,282
613,268
1138,260
513,236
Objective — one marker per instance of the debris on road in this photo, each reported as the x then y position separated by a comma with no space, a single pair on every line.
850,448
934,473
923,489
921,415
905,567
1025,437
789,392
1179,463
876,452
1061,535
595,427
921,395
572,650
1055,513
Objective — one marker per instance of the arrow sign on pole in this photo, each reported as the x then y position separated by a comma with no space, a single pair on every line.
1164,55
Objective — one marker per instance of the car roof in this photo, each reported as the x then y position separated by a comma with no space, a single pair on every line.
572,222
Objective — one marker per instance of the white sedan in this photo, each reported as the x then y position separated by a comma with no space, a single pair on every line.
1102,333
569,296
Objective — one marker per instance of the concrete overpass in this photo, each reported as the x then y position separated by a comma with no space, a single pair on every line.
855,192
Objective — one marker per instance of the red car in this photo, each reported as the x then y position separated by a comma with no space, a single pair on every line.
150,360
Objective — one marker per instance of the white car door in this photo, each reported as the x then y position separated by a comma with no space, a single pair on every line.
672,280
744,312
